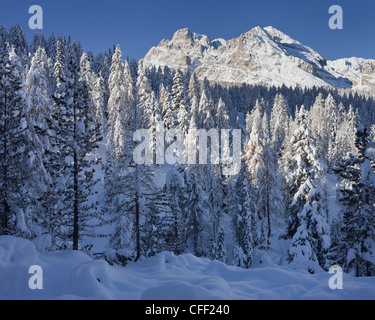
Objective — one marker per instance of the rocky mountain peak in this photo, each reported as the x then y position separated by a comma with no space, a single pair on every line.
260,56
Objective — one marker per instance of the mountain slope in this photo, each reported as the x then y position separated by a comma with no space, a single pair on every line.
261,56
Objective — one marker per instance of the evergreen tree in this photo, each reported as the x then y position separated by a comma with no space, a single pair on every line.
75,137
279,125
262,168
176,193
18,40
243,210
128,183
354,250
307,217
16,147
195,213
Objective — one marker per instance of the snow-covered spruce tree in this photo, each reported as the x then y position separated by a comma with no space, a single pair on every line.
18,40
319,124
220,251
100,101
76,135
158,224
255,114
38,86
222,115
262,168
53,221
164,226
179,103
127,183
345,137
165,101
355,249
178,91
4,36
176,193
38,41
87,77
193,88
120,106
307,213
51,48
120,116
148,108
197,242
145,100
16,147
278,125
215,196
243,210
204,113
194,108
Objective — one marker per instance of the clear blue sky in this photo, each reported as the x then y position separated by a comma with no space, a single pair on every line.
139,25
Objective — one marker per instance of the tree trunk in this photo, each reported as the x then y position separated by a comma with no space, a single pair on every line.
137,228
75,205
5,169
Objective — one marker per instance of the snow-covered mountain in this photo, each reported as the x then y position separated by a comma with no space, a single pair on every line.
360,72
261,56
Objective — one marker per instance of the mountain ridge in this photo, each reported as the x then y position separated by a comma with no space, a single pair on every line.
265,56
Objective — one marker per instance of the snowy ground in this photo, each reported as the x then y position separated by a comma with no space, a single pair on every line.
73,275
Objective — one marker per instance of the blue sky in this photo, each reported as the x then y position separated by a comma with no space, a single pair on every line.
139,25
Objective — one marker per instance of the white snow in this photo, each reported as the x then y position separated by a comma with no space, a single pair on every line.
73,275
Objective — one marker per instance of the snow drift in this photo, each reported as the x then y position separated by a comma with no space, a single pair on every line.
73,275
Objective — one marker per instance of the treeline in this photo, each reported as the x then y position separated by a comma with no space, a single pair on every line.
59,105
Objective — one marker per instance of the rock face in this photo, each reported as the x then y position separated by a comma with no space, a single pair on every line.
360,72
261,56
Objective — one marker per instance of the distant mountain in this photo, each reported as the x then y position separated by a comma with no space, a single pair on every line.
261,56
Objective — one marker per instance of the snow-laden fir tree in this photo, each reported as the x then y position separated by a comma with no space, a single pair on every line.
279,125
243,210
219,250
165,101
100,101
193,88
120,106
197,241
38,86
345,137
262,168
176,192
319,124
18,40
256,113
307,213
76,135
205,111
16,147
145,100
158,224
222,116
128,183
179,104
120,116
354,251
149,110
